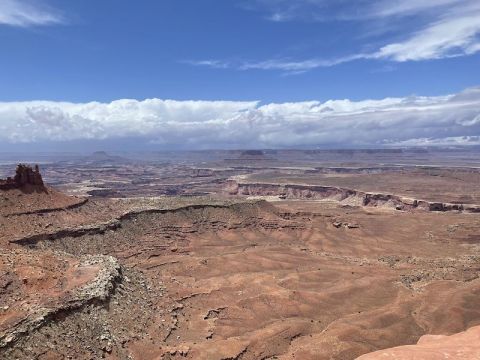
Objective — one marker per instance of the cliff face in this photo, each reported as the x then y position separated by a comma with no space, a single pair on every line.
24,175
343,195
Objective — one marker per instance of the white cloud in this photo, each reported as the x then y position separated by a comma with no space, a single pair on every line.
449,37
448,141
216,64
235,124
452,29
26,13
388,8
296,66
286,65
333,10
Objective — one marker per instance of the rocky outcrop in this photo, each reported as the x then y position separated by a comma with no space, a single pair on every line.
51,283
24,175
27,194
461,346
343,195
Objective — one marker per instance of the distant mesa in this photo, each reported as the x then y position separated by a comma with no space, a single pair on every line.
100,154
352,152
104,157
25,175
252,155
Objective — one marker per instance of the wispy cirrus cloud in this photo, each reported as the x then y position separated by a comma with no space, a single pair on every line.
216,64
387,8
25,13
334,10
288,66
415,120
448,37
452,30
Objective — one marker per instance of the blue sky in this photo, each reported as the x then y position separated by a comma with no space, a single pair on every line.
272,51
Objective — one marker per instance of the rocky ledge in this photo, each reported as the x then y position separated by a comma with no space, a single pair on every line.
461,346
345,196
36,286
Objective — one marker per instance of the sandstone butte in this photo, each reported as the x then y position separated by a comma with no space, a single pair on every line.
24,175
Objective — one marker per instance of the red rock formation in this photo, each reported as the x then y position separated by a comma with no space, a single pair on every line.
461,346
344,195
24,175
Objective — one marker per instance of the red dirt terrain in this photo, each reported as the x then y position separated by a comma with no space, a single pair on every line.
304,277
465,345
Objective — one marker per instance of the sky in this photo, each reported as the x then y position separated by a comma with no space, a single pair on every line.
202,74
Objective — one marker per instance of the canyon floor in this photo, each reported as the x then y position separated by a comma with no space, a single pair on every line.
243,255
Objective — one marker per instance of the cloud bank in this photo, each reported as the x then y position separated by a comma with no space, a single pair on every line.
416,120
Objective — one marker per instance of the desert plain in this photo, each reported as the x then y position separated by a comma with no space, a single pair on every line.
288,254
